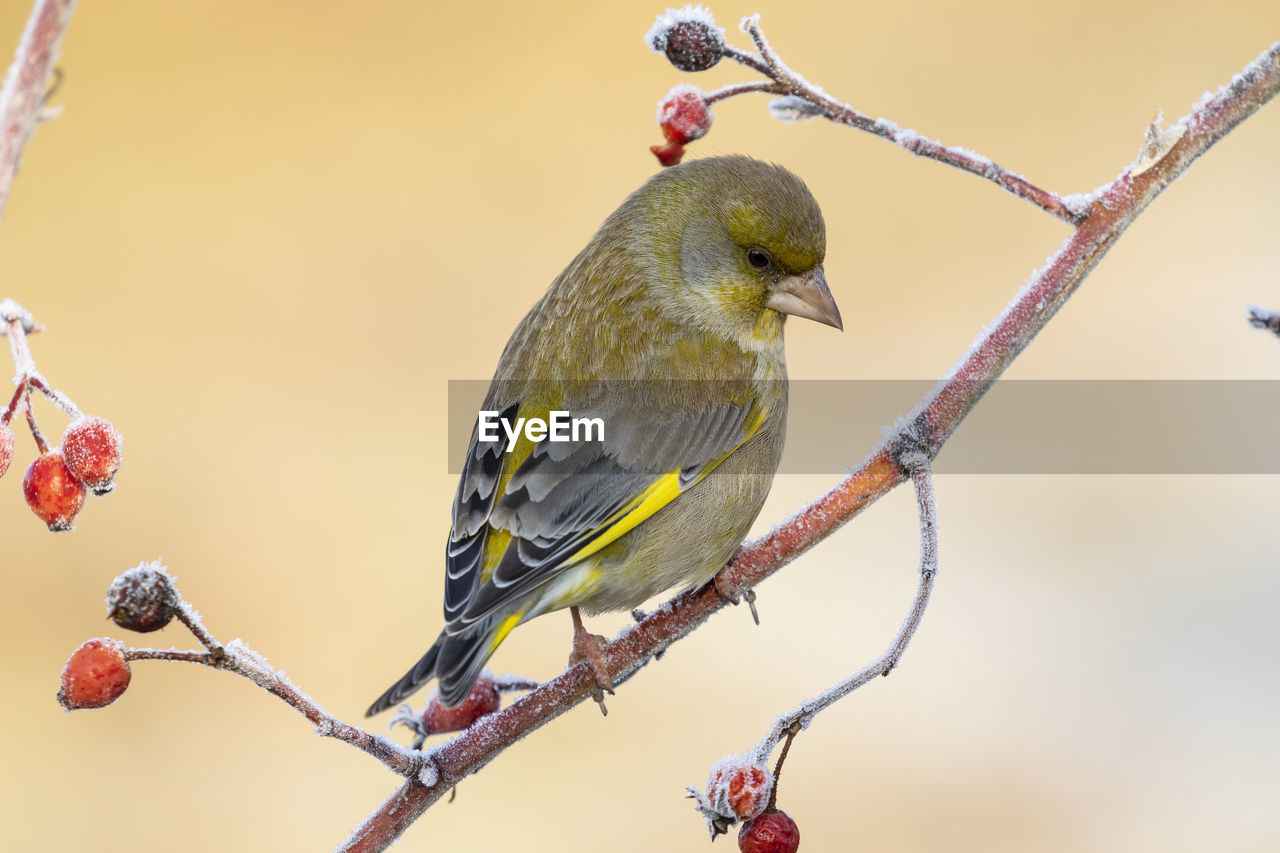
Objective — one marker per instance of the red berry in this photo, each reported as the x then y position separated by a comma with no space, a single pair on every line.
95,675
739,787
92,449
771,832
749,788
52,491
6,448
142,599
483,699
684,114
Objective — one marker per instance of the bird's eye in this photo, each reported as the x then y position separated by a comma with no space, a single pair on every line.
758,258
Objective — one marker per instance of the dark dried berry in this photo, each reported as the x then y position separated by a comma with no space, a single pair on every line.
142,599
689,37
693,46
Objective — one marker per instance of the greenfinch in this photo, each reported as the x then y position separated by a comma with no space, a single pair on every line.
667,329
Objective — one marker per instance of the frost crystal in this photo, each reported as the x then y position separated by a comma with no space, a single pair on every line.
793,108
10,311
697,15
1079,203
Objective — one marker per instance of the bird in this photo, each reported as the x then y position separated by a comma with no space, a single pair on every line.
667,328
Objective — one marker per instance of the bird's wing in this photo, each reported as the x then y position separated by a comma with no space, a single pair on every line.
524,510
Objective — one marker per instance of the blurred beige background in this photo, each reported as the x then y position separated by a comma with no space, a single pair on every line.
264,237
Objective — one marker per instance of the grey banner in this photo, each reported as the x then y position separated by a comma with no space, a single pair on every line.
1020,427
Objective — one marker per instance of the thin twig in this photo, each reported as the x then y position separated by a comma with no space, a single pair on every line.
777,767
41,443
17,323
816,102
735,89
793,722
933,421
800,717
237,657
27,83
747,58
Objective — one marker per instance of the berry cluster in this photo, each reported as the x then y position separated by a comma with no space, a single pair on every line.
57,481
142,599
691,41
741,788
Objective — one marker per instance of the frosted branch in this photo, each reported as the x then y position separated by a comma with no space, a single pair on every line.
799,718
16,323
819,103
23,95
238,658
800,99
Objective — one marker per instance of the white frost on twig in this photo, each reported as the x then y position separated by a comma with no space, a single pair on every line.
793,108
656,37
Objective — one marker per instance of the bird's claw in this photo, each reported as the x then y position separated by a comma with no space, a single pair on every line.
727,593
750,597
588,648
723,589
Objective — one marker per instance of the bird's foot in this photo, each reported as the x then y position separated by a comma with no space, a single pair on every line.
727,593
589,648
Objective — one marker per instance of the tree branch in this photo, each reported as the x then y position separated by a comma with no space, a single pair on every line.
711,804
26,84
930,425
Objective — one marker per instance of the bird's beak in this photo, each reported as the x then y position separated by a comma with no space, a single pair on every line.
806,296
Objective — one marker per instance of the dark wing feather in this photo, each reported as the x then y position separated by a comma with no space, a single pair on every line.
477,490
564,496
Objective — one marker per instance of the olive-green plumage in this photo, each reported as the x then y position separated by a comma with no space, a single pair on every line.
668,328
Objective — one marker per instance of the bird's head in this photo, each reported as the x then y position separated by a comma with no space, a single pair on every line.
739,244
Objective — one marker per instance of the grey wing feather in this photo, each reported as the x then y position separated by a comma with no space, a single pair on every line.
563,495
472,505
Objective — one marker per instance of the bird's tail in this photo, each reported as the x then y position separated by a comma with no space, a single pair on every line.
455,660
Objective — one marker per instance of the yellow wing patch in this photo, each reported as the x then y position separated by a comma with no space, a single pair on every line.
505,627
660,492
635,512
